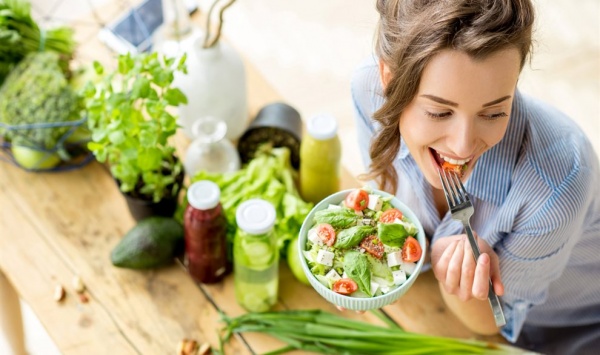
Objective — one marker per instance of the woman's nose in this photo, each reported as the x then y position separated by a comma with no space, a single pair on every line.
463,137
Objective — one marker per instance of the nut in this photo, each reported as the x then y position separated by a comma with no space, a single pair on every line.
204,349
78,285
191,348
83,298
59,293
181,346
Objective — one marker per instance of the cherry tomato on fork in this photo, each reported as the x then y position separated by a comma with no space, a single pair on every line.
344,286
326,233
357,200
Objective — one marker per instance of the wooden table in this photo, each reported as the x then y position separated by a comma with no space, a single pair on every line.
54,226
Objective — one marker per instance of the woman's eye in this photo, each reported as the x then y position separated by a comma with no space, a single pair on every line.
495,116
438,115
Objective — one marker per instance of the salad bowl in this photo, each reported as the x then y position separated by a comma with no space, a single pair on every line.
359,301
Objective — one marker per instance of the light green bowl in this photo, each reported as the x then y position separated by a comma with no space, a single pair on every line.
355,303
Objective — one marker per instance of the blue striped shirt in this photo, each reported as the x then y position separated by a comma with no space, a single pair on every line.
537,203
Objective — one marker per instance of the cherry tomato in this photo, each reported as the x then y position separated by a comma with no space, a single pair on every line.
357,200
373,246
390,216
326,233
458,169
344,286
411,250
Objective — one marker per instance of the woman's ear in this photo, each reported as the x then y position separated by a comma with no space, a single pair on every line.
385,75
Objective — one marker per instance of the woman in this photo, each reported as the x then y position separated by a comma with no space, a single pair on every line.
443,88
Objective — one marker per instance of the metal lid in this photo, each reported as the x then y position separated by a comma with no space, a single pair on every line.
204,195
255,216
322,126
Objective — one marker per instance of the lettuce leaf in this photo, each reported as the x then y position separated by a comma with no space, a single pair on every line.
356,266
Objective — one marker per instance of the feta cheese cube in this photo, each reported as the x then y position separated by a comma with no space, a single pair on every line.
374,287
409,268
364,222
333,275
359,213
334,207
325,257
375,202
398,221
399,277
314,237
394,259
385,289
345,276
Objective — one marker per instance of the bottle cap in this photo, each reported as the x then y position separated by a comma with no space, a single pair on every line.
204,195
322,126
255,216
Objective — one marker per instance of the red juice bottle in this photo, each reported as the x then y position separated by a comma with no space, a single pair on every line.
205,233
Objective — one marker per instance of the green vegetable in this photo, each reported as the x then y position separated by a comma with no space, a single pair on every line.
37,92
392,234
322,332
131,124
20,35
153,242
268,176
338,219
379,269
348,238
357,267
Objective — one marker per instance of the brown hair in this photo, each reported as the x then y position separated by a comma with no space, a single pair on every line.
411,32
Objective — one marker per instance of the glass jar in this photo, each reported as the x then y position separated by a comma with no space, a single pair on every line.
320,157
255,256
205,233
210,151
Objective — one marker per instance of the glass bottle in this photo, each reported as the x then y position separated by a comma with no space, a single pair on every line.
205,233
255,256
320,157
210,151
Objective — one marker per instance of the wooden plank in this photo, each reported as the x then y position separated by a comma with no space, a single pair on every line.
67,224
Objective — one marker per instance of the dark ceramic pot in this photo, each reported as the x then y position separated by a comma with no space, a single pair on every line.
141,208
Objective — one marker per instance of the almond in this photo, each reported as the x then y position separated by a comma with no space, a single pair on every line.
59,293
191,348
204,349
78,285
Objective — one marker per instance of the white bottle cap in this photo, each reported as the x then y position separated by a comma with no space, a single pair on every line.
204,195
322,126
255,216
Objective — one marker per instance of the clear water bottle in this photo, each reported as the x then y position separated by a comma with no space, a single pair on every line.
210,151
255,256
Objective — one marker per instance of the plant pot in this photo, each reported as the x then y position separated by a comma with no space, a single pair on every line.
141,208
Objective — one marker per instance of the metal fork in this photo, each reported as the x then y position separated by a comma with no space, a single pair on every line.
462,209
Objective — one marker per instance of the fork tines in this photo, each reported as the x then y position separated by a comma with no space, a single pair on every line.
454,190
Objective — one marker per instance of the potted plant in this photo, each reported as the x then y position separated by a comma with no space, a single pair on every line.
131,126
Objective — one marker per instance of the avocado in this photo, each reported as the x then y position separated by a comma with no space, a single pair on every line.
153,242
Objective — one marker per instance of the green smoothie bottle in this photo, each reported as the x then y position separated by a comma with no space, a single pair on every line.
320,156
255,256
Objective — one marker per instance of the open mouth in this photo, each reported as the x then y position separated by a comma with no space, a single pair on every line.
450,164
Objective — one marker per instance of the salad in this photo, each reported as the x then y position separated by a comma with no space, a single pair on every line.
363,247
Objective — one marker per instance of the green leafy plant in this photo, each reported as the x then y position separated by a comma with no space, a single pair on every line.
131,126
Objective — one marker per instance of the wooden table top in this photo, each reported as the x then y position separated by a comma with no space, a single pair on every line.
54,226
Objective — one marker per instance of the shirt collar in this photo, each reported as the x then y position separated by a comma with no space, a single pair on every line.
490,180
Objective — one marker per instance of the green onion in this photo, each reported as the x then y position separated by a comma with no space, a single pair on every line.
322,332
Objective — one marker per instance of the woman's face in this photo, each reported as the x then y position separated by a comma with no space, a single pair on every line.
461,109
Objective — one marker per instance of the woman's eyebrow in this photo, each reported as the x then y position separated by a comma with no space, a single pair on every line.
454,104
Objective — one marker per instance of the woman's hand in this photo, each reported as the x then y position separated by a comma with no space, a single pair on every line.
456,270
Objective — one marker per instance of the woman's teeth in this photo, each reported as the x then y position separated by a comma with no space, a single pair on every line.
454,161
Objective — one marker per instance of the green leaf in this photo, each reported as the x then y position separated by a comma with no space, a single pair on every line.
356,266
175,97
348,238
392,234
98,68
379,269
338,218
149,159
116,137
141,88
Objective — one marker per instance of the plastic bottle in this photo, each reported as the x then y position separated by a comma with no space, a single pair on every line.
255,256
205,233
320,156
